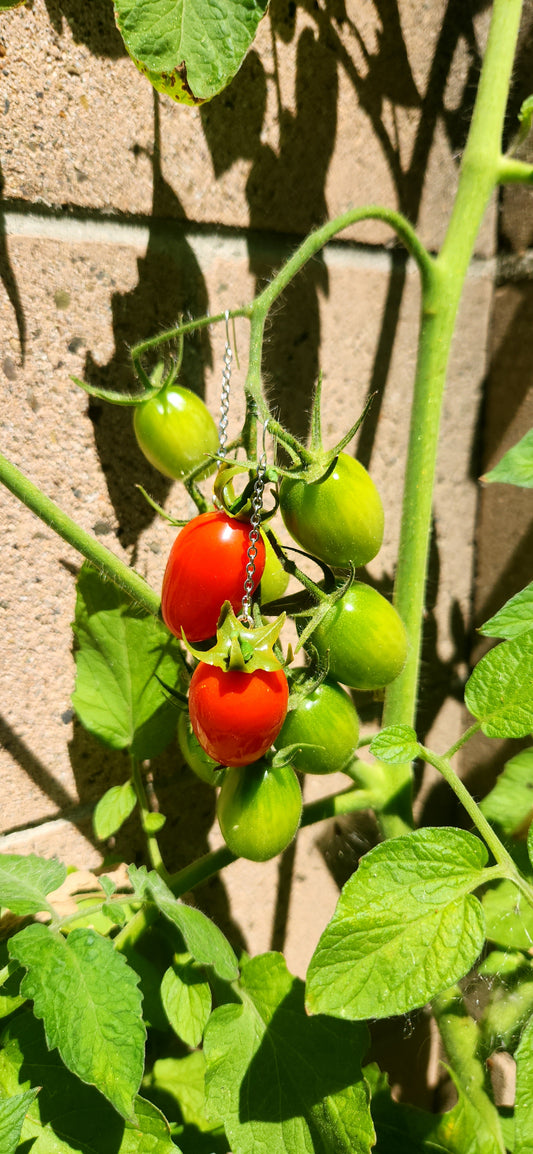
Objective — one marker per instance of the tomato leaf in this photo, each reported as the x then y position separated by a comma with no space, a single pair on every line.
395,745
183,1080
405,927
284,1082
25,882
508,916
401,1128
523,1111
186,998
516,466
113,809
7,5
498,692
515,617
121,649
198,46
83,978
509,804
203,938
12,1114
68,1116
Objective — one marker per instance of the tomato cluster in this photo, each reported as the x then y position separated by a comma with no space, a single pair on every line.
238,705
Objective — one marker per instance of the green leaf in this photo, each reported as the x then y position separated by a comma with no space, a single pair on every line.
121,649
525,115
183,1080
186,998
25,882
82,979
67,1115
194,50
402,1129
154,822
516,467
113,809
203,938
523,1111
405,927
514,618
12,1114
395,745
7,5
498,692
509,805
508,916
283,1082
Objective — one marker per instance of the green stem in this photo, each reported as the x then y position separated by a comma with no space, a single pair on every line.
152,845
181,330
441,292
462,1041
513,171
468,733
103,559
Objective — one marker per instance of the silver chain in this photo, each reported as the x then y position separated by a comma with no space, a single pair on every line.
255,524
224,397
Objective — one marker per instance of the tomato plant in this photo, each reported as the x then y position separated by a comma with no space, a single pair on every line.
275,578
206,566
259,809
338,518
196,758
364,639
236,716
326,723
175,431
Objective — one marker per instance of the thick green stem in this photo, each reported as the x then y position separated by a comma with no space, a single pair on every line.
462,1041
441,293
102,559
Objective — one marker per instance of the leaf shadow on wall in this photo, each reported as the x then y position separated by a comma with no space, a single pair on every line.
91,24
170,283
9,282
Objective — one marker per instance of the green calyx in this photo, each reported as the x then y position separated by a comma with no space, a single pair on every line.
320,461
241,506
239,648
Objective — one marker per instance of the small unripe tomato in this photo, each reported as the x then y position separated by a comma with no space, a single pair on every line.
175,431
365,638
327,724
196,758
259,809
275,578
339,518
236,716
207,566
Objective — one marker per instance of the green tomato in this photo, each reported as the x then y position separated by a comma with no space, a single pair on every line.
175,431
326,722
365,638
275,578
196,758
259,809
338,518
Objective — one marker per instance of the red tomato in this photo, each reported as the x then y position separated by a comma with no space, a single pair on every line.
236,716
207,566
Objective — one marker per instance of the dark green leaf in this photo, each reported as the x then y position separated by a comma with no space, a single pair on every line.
203,938
516,467
523,1112
283,1082
183,1080
83,980
395,745
25,882
514,618
509,804
12,1114
121,649
498,692
69,1117
186,998
403,1129
113,809
405,928
192,50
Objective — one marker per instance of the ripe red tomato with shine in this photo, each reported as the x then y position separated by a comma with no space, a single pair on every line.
235,715
207,566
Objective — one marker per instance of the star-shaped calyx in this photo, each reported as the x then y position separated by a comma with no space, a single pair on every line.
240,648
